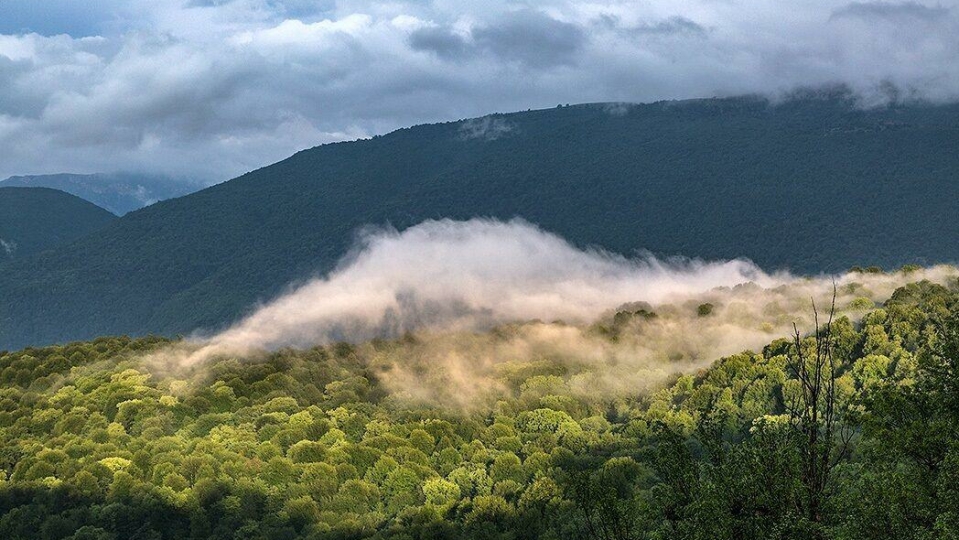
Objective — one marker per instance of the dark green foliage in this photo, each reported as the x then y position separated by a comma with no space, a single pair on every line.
36,219
814,184
99,441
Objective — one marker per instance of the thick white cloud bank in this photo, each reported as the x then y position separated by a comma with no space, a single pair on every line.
443,277
213,88
465,275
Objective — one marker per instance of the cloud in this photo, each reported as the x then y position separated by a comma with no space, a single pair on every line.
287,8
532,38
213,89
487,128
621,325
447,274
891,10
674,25
440,41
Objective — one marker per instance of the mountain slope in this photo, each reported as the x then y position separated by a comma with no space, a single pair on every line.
812,184
35,219
117,192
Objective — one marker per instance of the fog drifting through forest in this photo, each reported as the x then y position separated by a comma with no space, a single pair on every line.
444,284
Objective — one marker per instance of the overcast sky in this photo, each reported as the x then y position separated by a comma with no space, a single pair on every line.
213,88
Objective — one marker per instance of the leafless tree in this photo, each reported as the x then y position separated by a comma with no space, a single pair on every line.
823,437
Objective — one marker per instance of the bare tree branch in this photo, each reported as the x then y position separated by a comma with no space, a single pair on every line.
814,410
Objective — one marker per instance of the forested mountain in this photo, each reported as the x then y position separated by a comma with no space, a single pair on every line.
35,219
117,192
813,184
101,440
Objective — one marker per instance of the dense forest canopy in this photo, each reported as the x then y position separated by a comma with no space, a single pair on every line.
105,440
814,183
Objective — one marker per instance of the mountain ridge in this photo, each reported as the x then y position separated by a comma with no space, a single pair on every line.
120,193
809,184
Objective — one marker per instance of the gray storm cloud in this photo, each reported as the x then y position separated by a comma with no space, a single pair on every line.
214,89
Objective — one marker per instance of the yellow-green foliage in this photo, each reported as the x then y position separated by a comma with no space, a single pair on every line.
98,441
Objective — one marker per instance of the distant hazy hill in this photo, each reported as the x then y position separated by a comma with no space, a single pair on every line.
812,184
35,219
117,192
